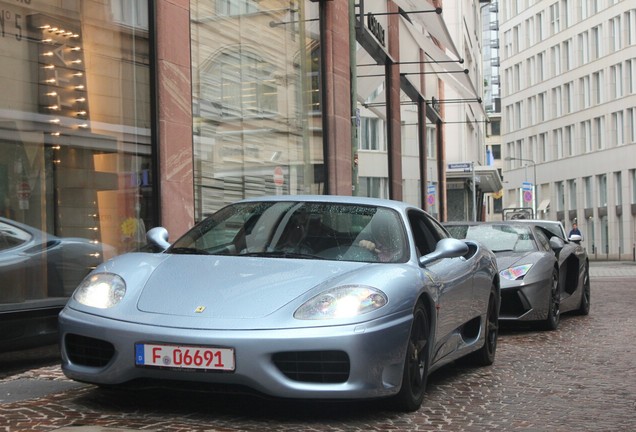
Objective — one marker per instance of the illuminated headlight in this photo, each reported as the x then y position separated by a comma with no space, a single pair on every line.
516,272
342,302
100,290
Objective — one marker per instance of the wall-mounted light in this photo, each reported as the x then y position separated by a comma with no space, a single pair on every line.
79,87
50,66
53,107
50,81
81,113
51,94
48,54
82,99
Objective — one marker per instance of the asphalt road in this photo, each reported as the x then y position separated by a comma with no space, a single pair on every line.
581,377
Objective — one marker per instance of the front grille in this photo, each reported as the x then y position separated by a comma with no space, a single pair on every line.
314,366
87,351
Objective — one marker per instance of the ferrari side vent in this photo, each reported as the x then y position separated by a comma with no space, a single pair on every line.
87,351
513,304
314,366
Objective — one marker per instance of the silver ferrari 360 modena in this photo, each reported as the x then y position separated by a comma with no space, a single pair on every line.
307,297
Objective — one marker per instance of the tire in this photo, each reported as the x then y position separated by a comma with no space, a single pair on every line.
485,356
584,308
415,375
554,314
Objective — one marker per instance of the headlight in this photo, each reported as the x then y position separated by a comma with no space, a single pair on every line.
342,302
100,290
516,272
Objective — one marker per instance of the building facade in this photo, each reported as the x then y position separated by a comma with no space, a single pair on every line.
121,115
569,116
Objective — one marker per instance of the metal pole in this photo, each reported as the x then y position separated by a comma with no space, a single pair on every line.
472,166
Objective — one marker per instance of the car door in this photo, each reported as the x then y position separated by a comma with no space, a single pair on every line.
453,278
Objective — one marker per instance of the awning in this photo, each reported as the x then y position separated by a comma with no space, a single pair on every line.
429,18
486,177
449,70
543,207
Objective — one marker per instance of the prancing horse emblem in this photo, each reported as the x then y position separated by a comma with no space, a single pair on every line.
199,309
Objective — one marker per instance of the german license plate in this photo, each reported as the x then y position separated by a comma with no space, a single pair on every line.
184,357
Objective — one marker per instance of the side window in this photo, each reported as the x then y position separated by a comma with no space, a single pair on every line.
11,236
542,239
425,237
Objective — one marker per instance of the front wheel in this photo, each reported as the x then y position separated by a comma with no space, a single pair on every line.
552,320
415,373
584,308
485,356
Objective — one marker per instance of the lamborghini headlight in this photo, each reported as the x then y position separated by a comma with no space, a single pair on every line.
515,272
342,302
100,290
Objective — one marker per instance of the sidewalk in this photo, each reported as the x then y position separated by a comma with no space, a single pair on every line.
612,269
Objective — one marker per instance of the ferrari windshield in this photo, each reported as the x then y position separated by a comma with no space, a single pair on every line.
312,230
498,238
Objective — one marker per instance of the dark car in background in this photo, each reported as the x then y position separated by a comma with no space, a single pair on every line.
38,273
543,274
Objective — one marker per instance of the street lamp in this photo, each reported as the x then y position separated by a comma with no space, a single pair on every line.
534,180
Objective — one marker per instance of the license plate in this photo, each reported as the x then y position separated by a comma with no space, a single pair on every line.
184,357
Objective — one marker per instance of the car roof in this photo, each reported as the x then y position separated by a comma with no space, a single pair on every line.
335,199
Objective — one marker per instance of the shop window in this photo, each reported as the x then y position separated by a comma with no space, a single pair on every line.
76,174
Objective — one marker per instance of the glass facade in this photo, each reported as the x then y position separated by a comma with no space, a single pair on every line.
76,179
256,100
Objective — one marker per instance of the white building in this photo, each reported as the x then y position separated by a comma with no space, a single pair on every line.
569,116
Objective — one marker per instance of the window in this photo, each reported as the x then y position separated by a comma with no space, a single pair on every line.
557,102
370,131
431,141
589,193
556,60
567,55
597,42
572,194
631,124
618,130
618,187
257,111
632,176
601,180
597,80
542,106
235,7
599,133
558,143
543,145
584,48
616,34
374,187
76,144
560,195
616,84
586,136
569,97
555,23
569,140
586,91
130,13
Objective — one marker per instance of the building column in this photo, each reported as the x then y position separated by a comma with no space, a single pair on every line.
174,111
393,109
336,83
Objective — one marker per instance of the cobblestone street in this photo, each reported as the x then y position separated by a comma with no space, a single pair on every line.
581,377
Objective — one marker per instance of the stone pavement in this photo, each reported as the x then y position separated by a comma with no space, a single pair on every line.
581,377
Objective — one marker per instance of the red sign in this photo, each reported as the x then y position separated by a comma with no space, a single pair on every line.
279,178
24,191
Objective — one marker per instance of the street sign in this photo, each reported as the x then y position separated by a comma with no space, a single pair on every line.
279,178
460,166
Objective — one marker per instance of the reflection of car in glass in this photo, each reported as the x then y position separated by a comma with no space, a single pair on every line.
38,270
278,295
543,274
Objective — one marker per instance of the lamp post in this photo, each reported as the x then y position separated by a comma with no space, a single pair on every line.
534,181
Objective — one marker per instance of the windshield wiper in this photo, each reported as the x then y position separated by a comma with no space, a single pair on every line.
281,254
188,251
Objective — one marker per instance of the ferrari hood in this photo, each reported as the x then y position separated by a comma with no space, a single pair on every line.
233,287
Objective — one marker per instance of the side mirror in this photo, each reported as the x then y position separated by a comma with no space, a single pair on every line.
556,243
446,248
576,238
158,237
